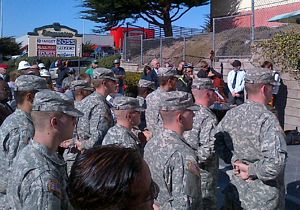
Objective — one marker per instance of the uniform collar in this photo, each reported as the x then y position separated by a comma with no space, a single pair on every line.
53,156
21,112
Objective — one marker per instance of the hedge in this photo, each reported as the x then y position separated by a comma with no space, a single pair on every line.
131,81
283,49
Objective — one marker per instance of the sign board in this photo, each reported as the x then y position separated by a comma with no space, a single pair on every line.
56,46
66,47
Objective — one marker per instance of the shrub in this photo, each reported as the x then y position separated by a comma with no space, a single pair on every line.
131,81
283,50
108,62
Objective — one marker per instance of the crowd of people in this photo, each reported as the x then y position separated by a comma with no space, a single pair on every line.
81,143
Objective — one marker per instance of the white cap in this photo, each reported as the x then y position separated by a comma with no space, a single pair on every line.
41,65
44,73
23,65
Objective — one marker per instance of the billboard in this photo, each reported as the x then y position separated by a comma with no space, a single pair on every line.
56,47
66,47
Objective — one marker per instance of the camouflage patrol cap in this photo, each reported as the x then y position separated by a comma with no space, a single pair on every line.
177,100
30,82
203,83
126,103
81,84
51,101
103,73
166,72
260,76
146,84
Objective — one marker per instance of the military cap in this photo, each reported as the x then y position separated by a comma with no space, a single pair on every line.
126,103
51,101
81,84
163,71
146,84
177,100
203,83
188,65
103,73
30,82
261,76
95,62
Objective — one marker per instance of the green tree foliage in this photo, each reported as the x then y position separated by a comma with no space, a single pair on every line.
108,62
113,13
8,46
87,48
208,25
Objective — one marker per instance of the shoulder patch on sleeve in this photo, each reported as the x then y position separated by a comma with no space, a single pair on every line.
54,187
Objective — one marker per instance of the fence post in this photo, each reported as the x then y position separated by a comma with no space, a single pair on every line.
213,38
142,50
125,47
184,49
160,52
253,21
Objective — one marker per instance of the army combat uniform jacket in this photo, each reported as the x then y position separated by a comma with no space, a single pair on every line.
97,119
252,134
15,133
38,180
153,118
123,137
173,165
201,138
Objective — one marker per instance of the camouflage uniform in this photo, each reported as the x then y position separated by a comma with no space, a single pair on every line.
39,180
97,119
201,139
144,84
39,176
119,134
252,134
122,136
71,152
173,163
153,119
16,131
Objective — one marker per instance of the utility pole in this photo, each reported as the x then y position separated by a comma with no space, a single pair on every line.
1,22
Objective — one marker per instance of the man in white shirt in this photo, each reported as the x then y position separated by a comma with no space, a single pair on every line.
236,84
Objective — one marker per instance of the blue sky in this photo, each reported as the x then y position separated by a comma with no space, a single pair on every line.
22,16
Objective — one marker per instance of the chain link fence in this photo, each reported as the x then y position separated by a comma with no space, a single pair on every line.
233,34
142,51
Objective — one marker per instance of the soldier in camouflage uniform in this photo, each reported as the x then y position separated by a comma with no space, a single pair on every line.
201,138
173,163
39,178
127,111
251,138
145,87
97,119
167,79
17,129
81,89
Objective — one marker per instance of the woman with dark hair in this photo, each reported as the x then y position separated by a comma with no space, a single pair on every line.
267,64
111,178
150,75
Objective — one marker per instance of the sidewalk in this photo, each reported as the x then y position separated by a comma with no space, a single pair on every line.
292,179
